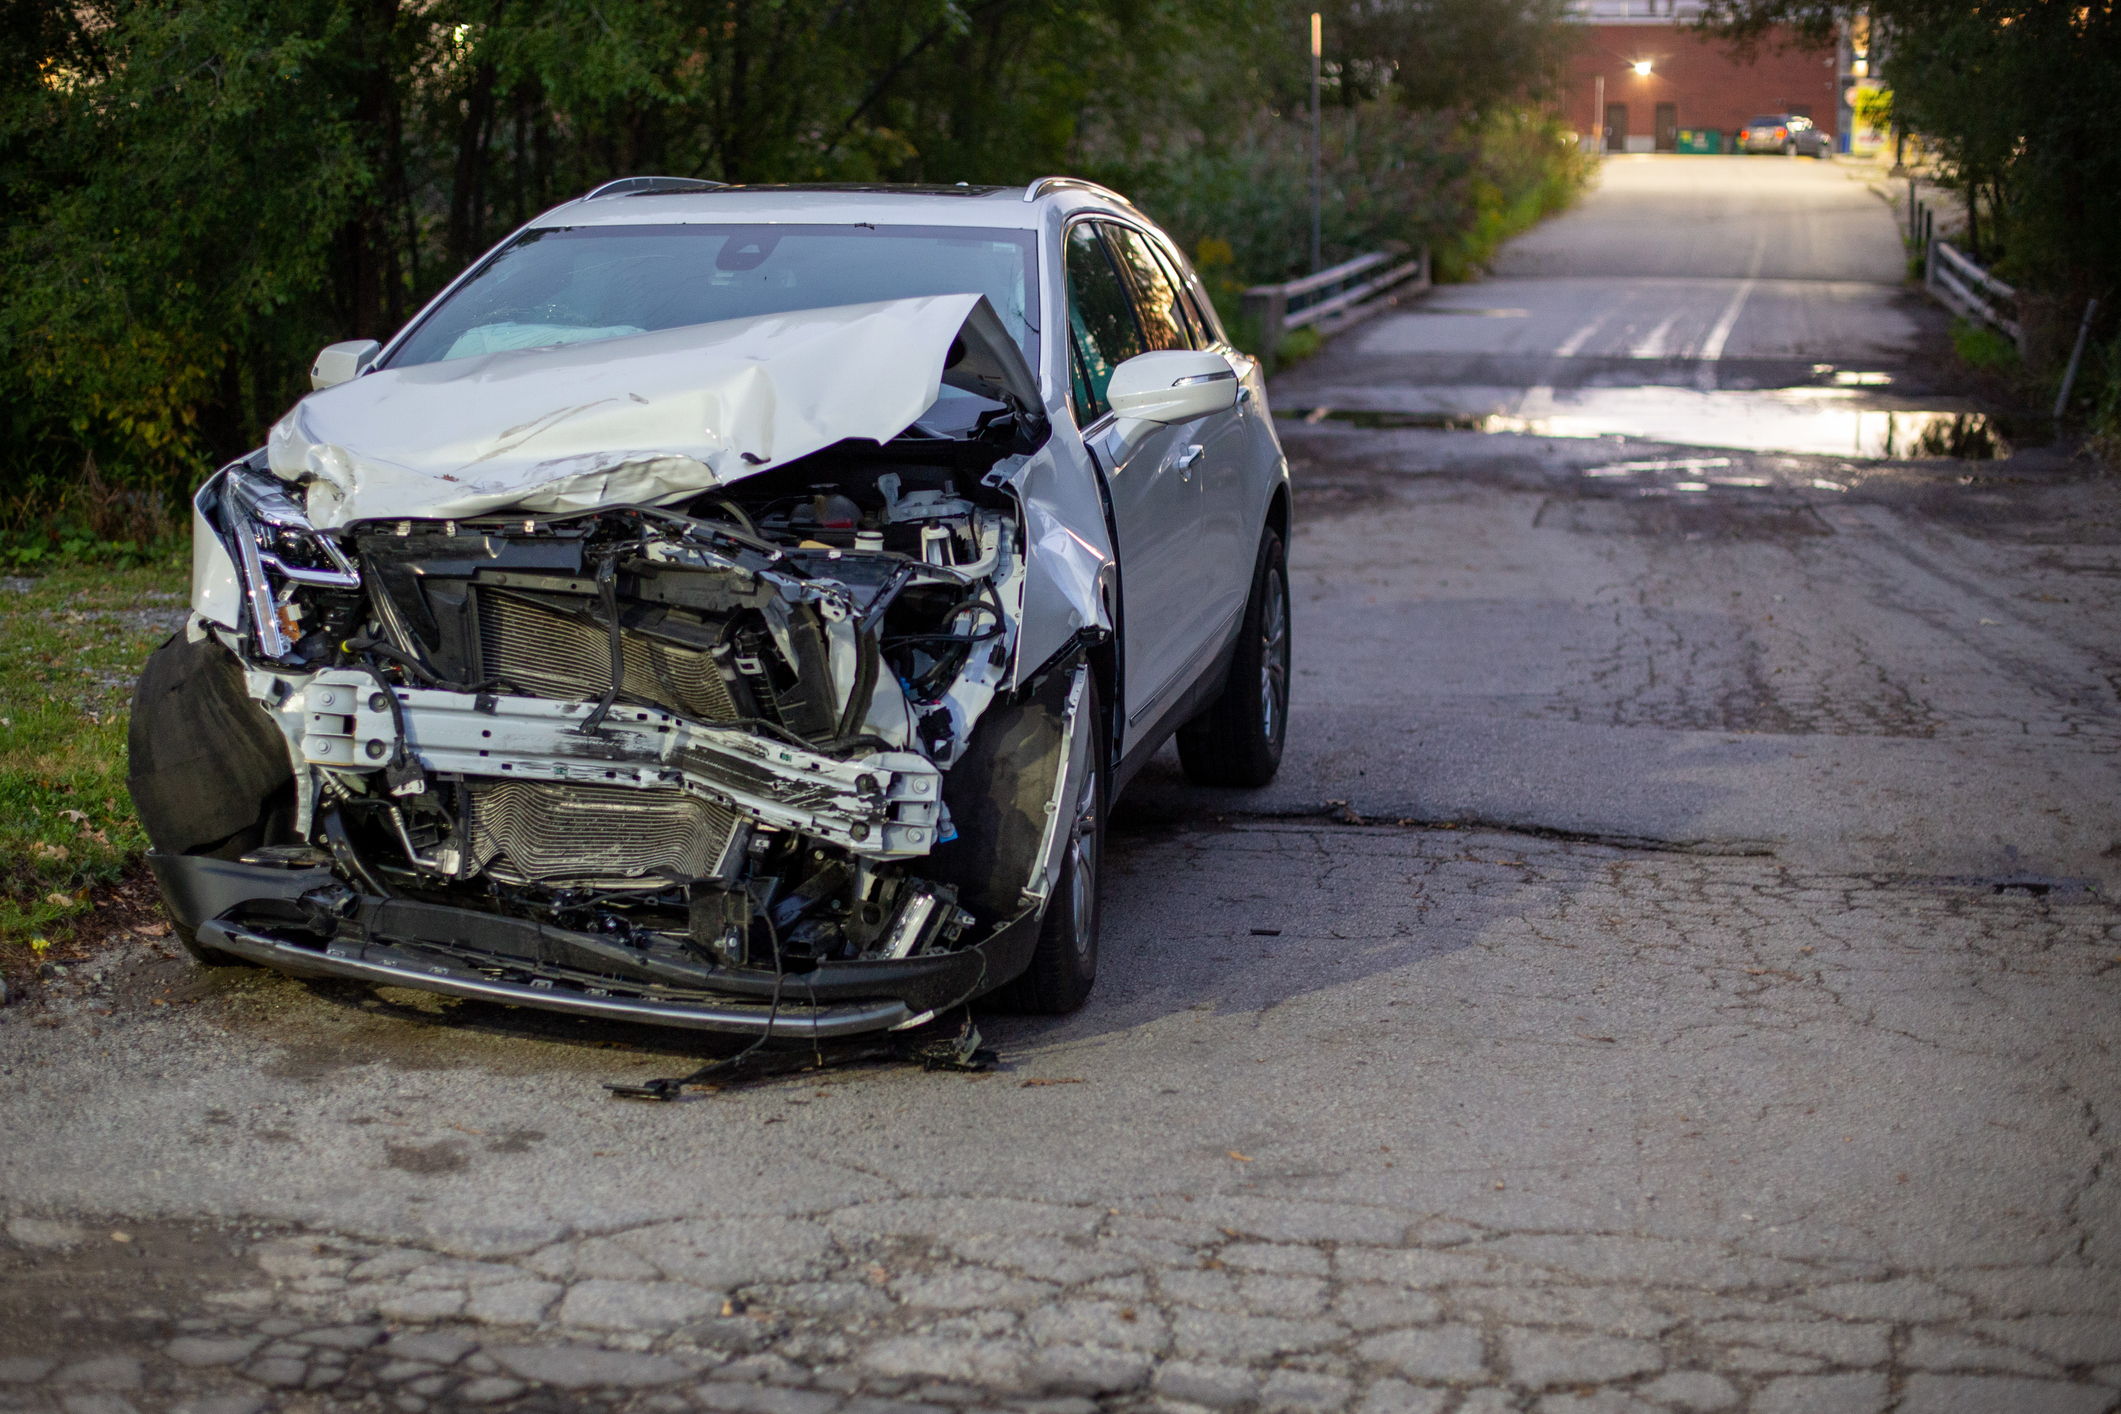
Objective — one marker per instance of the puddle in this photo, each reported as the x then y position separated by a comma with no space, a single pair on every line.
1837,421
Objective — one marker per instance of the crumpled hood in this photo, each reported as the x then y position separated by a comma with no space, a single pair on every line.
643,418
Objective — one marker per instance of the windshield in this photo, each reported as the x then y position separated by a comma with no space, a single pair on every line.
1770,121
573,284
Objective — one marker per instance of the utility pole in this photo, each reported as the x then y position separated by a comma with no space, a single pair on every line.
1317,179
1598,114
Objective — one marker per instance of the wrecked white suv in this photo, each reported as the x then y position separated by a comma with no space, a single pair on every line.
731,608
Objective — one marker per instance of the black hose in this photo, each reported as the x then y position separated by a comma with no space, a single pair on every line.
413,665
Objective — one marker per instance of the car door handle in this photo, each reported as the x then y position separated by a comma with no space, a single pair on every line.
1187,458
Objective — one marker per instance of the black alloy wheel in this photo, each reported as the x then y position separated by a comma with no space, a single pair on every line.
1238,740
1064,965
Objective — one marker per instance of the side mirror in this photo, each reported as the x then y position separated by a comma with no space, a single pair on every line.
342,363
1177,385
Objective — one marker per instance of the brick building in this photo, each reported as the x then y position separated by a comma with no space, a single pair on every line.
1693,84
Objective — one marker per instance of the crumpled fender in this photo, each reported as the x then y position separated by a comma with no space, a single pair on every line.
1069,577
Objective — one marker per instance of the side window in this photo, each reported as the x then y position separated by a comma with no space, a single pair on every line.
1163,318
1192,299
1205,321
1102,333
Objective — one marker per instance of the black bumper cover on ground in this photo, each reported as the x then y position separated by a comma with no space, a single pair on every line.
252,912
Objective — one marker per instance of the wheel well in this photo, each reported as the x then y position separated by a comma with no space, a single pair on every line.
1278,514
1104,665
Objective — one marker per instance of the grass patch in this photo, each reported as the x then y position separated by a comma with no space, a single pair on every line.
1979,346
71,645
1296,346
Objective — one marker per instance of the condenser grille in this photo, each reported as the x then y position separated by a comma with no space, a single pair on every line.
547,831
549,654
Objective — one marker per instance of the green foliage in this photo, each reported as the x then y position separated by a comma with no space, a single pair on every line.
1979,346
71,645
199,196
1874,107
1529,169
2103,378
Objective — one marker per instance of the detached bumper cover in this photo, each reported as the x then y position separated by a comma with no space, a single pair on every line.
255,913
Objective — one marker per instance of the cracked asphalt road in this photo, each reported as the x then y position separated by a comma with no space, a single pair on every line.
1677,970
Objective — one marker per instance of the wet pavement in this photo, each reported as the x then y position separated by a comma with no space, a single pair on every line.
1757,304
1676,971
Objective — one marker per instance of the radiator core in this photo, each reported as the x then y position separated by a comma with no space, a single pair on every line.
545,831
542,651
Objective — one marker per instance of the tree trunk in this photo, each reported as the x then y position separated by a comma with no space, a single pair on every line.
467,192
1973,219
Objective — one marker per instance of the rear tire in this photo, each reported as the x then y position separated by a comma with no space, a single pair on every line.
1238,740
1064,964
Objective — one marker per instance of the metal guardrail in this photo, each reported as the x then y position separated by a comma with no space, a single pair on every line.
1334,291
1972,291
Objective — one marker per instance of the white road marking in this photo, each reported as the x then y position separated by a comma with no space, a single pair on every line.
1652,345
1720,332
1577,340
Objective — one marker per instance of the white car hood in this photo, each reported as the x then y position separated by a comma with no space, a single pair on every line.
639,419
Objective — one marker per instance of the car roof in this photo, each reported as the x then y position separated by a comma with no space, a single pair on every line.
646,201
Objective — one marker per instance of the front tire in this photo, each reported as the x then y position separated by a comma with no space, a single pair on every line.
1064,965
1238,740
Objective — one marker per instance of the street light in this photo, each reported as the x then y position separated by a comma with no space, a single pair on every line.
1317,183
1642,68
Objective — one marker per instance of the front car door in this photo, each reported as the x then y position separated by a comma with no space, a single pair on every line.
1222,556
1156,502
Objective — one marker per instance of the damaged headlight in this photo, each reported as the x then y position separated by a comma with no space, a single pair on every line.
269,532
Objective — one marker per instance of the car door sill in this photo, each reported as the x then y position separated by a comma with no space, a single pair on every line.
1185,672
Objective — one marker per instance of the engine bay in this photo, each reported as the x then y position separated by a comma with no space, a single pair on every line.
702,744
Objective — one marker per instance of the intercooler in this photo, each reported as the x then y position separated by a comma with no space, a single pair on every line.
542,651
536,830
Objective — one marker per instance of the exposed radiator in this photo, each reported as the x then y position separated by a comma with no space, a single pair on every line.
538,650
536,830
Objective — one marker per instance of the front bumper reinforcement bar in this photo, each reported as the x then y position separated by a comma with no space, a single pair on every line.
885,805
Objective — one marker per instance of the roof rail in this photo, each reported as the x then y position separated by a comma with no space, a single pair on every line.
650,186
1045,185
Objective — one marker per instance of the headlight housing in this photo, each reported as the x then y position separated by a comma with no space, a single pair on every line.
278,549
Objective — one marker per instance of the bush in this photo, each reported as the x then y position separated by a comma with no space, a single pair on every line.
1979,346
1394,178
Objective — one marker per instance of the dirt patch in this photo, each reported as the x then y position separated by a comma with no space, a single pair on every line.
121,914
1695,518
87,1286
442,1156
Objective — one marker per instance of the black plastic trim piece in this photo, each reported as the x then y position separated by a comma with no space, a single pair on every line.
452,950
196,887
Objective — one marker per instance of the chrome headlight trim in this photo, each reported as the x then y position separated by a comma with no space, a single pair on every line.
257,513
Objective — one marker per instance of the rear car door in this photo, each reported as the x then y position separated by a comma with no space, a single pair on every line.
1156,502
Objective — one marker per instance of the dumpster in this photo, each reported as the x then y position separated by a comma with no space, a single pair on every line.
1700,140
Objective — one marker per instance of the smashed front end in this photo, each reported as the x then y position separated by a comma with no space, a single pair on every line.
769,756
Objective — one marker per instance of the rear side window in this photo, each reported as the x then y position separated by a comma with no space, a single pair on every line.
1163,318
1206,332
1102,331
